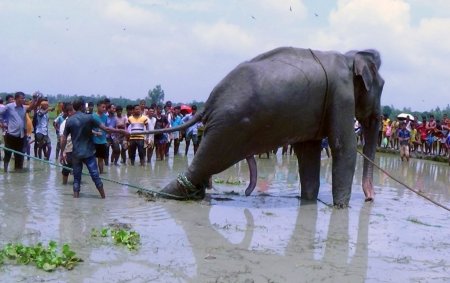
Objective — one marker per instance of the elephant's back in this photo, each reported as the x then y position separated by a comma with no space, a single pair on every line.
278,95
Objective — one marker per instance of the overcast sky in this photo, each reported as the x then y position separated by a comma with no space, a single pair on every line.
124,48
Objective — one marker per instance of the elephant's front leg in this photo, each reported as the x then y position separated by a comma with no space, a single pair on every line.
343,148
308,154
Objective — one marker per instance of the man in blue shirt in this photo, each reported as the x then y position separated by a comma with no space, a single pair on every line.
191,132
16,133
403,138
101,148
80,126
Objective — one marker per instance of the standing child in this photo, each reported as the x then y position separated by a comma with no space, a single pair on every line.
403,138
388,134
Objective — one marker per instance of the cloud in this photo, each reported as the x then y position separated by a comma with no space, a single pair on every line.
409,51
124,13
141,43
282,7
223,37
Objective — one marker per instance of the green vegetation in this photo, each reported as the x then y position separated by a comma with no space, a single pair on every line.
230,181
129,238
392,112
46,258
155,95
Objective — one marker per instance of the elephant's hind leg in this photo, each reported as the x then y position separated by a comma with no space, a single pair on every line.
308,154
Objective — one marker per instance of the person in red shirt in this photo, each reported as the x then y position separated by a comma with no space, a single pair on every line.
422,131
431,135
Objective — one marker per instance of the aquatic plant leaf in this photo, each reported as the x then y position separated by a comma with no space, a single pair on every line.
104,232
44,257
49,267
52,245
95,232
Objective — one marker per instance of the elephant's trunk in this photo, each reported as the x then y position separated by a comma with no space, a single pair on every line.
253,174
370,131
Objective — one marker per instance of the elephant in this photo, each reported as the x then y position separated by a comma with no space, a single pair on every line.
290,96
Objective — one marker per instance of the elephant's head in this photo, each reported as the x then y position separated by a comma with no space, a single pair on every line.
368,85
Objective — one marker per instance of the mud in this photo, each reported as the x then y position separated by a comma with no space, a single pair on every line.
271,236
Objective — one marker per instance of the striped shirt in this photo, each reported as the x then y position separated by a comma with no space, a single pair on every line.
138,124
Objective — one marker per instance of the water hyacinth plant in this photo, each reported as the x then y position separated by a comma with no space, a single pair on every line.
129,238
44,257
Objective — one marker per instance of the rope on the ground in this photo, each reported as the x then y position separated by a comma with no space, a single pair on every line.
402,183
149,191
153,192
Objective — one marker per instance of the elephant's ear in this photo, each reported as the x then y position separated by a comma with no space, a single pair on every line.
366,64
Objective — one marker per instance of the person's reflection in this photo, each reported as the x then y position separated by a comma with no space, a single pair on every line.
15,206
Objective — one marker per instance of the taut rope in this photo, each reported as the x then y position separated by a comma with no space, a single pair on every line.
325,102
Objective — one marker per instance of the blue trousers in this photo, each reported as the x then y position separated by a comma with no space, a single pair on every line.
91,164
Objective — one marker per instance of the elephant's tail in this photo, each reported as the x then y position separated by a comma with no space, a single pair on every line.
197,117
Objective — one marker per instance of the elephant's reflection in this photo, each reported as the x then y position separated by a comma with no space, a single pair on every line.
229,240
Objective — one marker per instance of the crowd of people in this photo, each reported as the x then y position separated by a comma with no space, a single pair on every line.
426,136
95,138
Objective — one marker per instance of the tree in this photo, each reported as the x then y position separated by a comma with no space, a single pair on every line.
156,95
387,110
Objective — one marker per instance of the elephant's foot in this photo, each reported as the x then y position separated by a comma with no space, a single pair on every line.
182,189
341,199
368,190
340,205
310,196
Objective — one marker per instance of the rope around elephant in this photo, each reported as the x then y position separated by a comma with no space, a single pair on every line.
155,193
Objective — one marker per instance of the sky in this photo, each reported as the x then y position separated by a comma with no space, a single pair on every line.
125,48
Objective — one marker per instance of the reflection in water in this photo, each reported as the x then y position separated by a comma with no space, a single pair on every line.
431,178
270,236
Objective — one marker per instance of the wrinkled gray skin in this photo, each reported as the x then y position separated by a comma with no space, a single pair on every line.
287,96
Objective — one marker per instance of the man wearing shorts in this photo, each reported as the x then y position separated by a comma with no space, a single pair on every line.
176,121
100,141
191,132
403,138
67,112
42,139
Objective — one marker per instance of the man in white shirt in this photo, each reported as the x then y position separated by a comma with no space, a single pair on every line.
68,111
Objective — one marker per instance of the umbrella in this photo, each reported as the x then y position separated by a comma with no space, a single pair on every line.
185,109
404,116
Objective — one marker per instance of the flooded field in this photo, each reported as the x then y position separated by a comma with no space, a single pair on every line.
270,236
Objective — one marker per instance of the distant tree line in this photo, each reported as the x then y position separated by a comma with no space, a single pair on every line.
154,96
157,96
392,112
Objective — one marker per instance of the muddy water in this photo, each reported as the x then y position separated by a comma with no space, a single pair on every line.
270,236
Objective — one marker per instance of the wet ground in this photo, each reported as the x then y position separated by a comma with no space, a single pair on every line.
270,236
